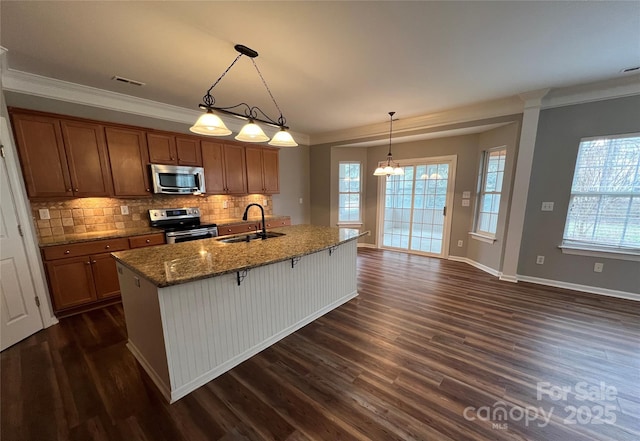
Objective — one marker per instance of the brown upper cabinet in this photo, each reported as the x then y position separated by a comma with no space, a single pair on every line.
262,170
225,170
128,158
165,148
61,158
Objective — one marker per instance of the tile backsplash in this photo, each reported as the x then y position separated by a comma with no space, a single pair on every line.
92,215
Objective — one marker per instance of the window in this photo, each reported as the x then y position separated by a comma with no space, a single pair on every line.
349,192
490,189
604,209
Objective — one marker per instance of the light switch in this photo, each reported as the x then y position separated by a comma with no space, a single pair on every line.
225,204
265,202
44,213
540,260
547,206
124,209
465,202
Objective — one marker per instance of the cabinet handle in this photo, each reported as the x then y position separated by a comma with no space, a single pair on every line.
147,241
76,190
93,261
67,251
107,247
69,189
88,263
229,230
148,189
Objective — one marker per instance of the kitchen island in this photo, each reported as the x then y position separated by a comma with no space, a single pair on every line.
196,309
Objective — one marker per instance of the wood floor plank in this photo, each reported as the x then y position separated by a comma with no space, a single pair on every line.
426,347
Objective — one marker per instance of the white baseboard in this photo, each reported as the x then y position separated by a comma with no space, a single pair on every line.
163,388
583,288
478,265
549,282
366,245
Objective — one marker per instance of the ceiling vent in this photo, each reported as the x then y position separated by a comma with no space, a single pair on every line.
630,69
127,80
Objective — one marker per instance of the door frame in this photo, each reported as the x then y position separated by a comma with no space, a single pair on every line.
446,239
29,239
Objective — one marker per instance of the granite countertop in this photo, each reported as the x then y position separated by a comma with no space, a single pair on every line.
64,239
98,235
173,264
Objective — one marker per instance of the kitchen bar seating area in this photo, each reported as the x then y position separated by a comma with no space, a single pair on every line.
401,361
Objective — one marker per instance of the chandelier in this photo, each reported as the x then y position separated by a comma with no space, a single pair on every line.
210,124
392,168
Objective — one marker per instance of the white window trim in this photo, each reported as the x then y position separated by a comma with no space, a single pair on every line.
604,252
358,223
486,238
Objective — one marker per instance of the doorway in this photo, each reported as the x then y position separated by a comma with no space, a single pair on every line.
413,207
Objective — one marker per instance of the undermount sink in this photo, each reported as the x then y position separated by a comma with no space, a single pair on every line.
248,237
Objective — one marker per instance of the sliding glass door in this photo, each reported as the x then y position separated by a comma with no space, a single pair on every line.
414,211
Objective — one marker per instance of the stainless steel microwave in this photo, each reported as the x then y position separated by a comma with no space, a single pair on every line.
177,179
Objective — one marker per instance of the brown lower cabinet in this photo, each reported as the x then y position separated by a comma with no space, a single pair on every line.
83,275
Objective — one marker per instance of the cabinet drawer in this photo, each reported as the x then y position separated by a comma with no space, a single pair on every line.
236,229
278,223
146,240
85,248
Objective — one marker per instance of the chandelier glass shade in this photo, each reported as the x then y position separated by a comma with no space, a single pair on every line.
210,124
391,168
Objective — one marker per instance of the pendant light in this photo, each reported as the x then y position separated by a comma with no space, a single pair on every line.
210,124
392,168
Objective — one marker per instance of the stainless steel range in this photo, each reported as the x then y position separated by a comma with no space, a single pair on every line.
181,224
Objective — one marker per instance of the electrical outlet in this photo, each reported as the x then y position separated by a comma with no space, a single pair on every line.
540,260
466,194
44,213
547,206
460,243
300,200
465,202
124,209
225,204
265,202
598,267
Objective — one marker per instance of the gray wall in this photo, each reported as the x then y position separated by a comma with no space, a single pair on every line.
558,137
320,185
487,254
294,162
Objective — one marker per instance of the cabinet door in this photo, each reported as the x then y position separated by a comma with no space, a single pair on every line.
42,156
105,276
235,169
189,152
86,155
128,159
213,164
71,282
270,168
255,182
162,148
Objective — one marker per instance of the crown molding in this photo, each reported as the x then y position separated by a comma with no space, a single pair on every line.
627,85
45,87
474,112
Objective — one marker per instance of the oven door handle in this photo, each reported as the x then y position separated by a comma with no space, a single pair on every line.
198,232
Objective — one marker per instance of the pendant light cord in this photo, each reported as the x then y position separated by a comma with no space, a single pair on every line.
281,120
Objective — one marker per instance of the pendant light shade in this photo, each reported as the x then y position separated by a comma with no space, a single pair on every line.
210,124
391,168
251,132
283,139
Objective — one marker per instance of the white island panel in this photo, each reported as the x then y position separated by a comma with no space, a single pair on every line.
211,325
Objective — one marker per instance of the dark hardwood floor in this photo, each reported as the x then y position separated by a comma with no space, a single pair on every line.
429,350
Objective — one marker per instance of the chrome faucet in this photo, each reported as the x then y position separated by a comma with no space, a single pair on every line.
263,235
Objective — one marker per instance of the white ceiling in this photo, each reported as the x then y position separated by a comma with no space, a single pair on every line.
330,65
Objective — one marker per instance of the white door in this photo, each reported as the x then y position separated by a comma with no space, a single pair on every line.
19,313
414,214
